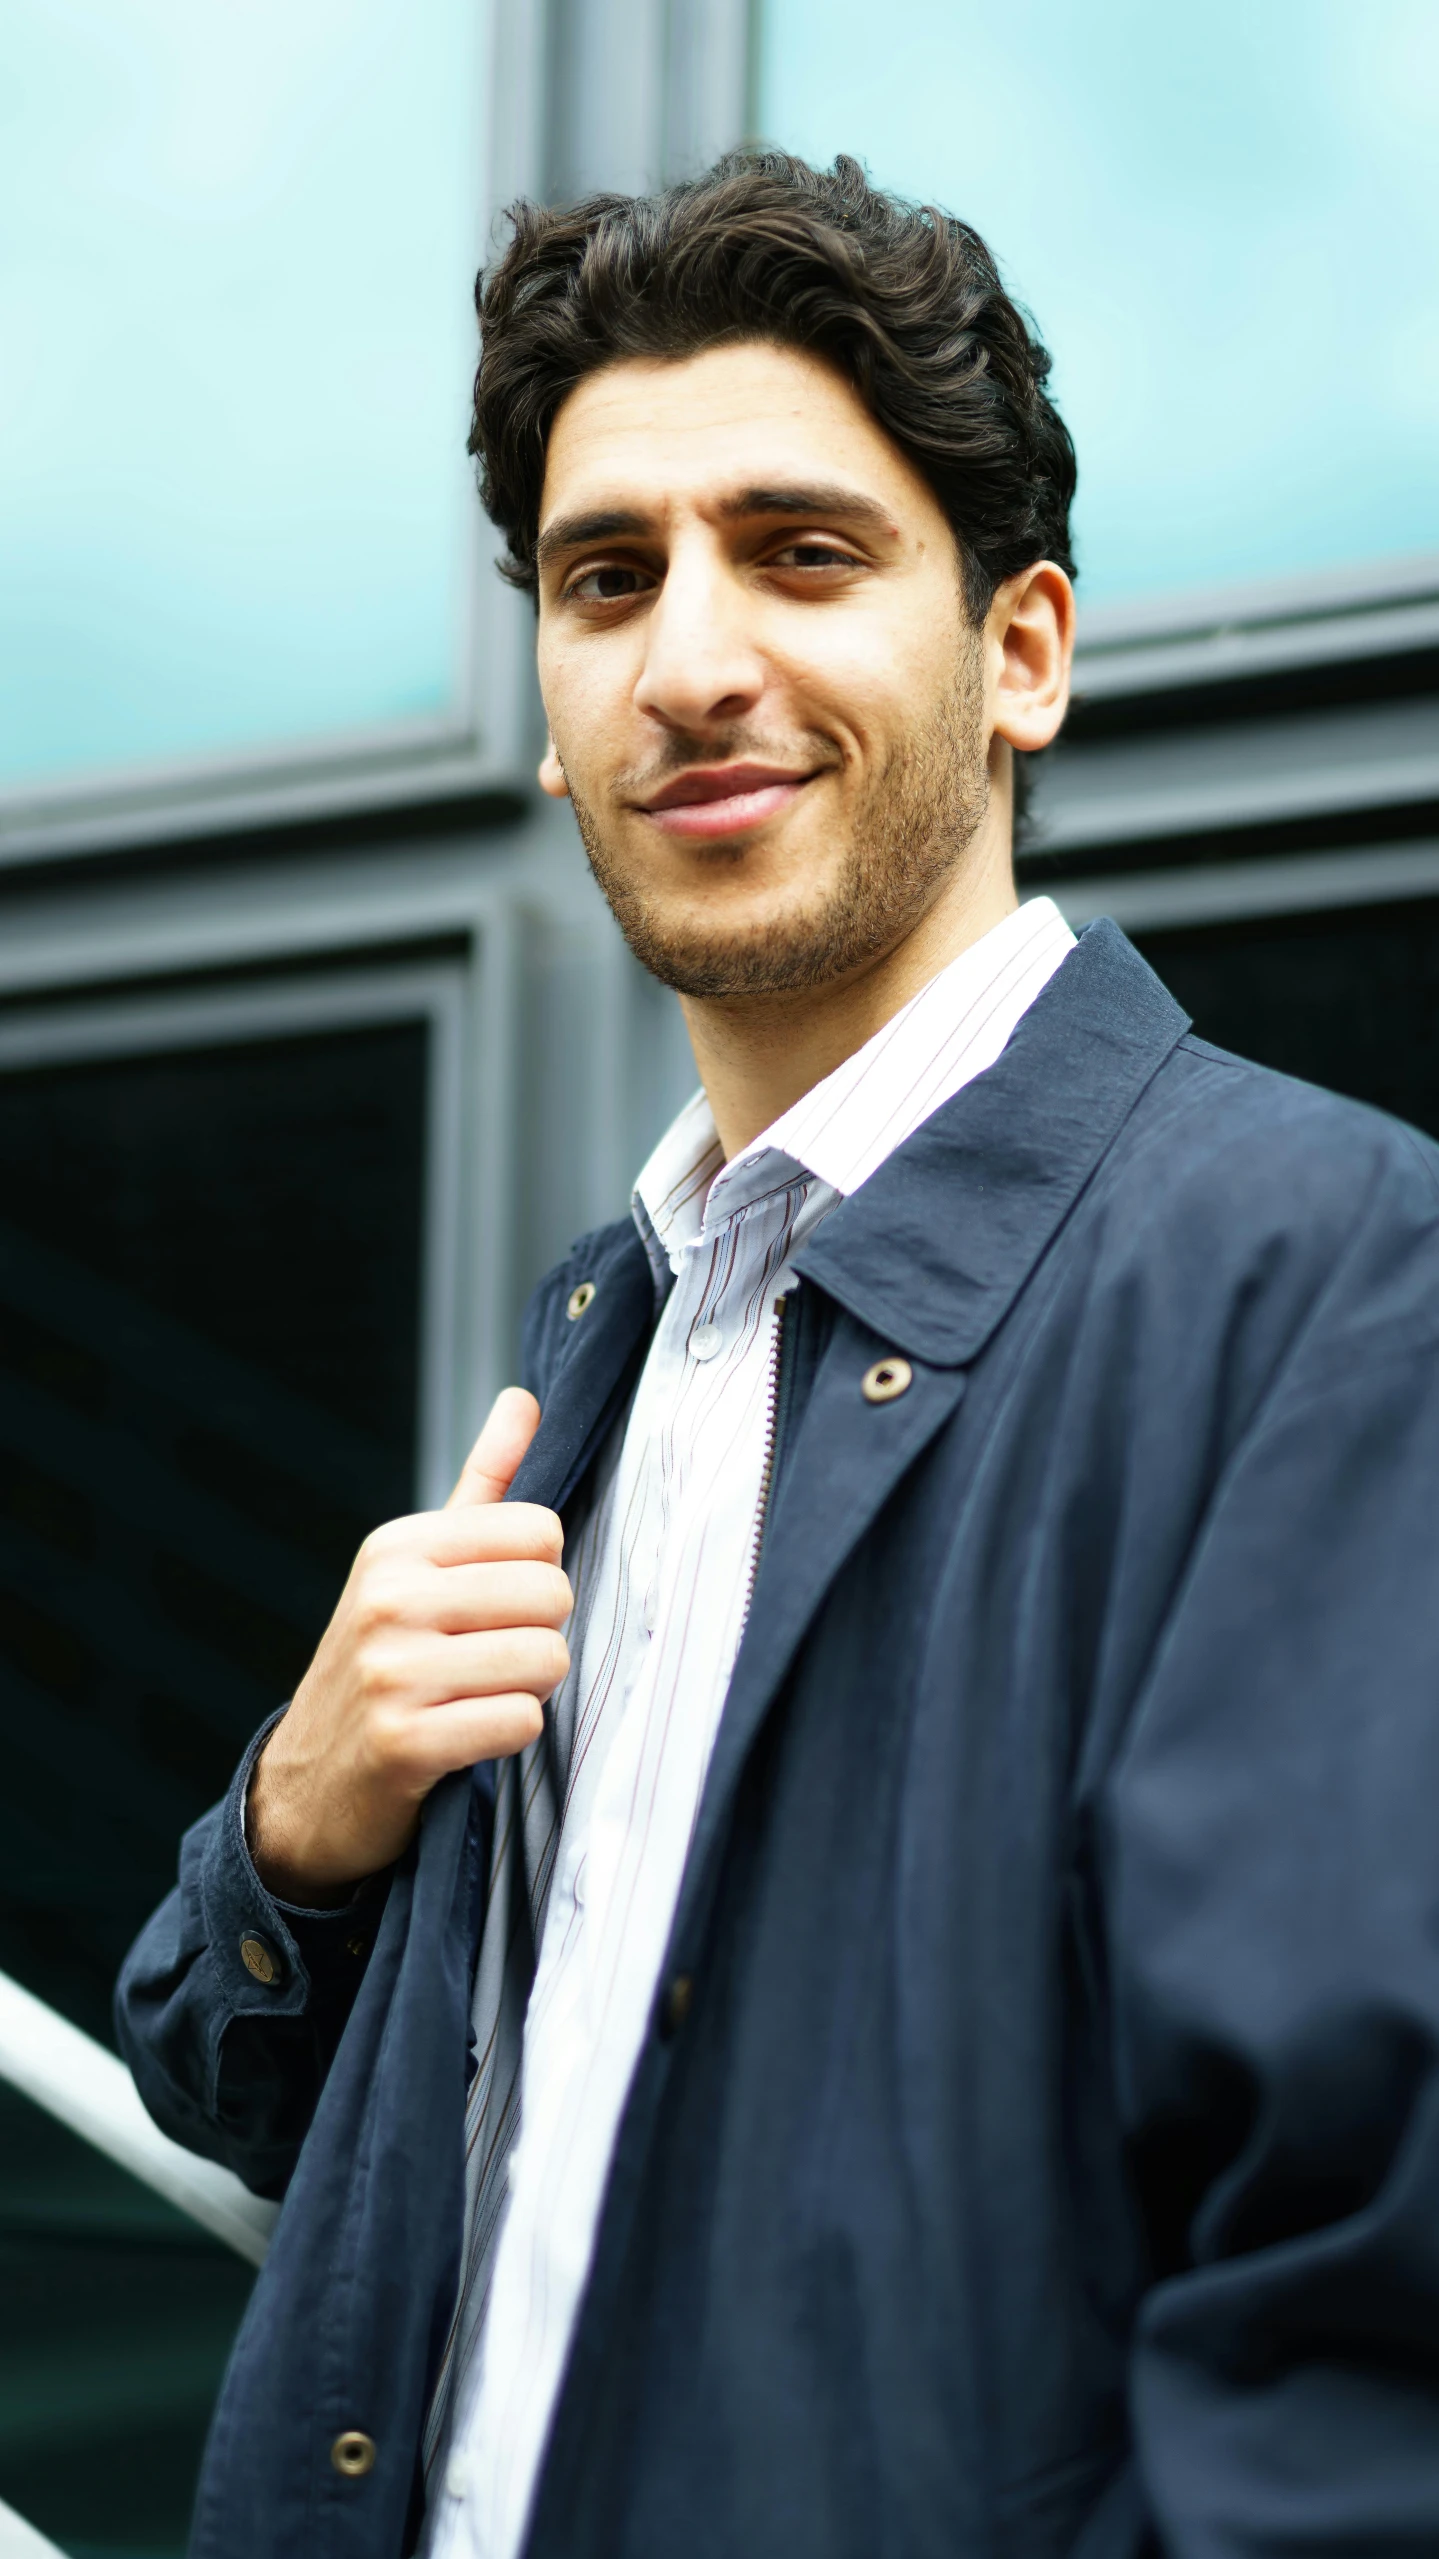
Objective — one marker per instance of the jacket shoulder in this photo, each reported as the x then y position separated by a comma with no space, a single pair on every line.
1235,1183
546,1320
1274,1128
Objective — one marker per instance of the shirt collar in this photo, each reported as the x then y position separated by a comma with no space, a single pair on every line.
842,1130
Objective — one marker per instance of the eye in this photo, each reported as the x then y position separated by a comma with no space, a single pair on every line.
605,586
813,553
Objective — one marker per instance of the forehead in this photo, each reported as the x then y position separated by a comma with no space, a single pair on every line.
669,435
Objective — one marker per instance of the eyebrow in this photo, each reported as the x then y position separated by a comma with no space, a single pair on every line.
789,498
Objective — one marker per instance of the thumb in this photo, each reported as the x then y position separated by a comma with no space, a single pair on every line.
490,1468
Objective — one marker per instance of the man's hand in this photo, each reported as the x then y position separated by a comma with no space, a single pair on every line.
441,1652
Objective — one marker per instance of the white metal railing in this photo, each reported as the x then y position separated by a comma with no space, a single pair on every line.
86,2087
20,2540
76,2079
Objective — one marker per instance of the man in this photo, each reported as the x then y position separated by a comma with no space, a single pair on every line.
914,2031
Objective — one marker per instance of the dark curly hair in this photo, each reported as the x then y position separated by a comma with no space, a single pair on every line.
902,299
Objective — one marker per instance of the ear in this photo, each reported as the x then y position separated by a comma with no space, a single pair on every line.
552,772
1029,635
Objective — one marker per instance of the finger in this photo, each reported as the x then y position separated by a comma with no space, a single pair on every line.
473,1599
492,1533
468,1729
490,1468
535,1658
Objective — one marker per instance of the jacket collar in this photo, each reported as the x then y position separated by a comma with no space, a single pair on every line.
933,1249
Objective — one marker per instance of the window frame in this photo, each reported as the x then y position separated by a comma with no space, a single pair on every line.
478,749
335,944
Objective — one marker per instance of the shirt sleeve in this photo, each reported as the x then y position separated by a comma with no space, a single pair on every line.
1268,1855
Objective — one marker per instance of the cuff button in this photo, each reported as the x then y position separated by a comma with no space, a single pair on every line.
262,1961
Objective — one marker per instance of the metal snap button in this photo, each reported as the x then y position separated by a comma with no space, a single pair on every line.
262,1961
581,1299
352,2453
887,1378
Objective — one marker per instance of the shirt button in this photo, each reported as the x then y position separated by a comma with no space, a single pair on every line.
704,1341
457,2475
676,2000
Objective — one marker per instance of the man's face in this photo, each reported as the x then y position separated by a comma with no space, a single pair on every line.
765,695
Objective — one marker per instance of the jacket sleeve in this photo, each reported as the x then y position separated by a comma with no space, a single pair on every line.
1268,1849
228,2055
230,2063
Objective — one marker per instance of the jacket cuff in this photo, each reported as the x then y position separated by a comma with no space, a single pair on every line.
271,1958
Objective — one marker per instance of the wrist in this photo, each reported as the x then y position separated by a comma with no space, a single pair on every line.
279,1861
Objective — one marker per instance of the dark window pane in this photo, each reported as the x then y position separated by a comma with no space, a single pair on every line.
209,1343
1348,998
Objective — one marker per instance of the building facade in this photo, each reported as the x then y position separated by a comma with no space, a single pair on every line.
315,1051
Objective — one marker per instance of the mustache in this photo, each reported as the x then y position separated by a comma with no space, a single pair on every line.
804,753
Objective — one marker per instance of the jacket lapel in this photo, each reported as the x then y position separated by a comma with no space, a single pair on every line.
848,1456
599,1356
927,1258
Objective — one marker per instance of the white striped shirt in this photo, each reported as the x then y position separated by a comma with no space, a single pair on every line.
661,1572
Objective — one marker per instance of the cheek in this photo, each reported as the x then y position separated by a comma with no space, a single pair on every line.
869,677
585,693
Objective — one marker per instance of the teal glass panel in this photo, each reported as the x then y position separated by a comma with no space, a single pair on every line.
236,251
1226,222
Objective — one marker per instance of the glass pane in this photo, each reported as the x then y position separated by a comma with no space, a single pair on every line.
1348,998
209,1347
236,252
209,1334
1226,223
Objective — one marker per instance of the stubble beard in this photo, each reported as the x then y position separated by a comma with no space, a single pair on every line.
912,828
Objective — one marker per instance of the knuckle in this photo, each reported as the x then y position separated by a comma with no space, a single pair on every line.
374,1613
379,1675
387,1739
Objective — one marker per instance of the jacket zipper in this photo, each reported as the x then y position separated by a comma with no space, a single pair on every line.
771,1443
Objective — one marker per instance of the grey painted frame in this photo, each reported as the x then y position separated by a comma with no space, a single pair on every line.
1229,633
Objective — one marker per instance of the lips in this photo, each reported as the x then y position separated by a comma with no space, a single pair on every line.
724,799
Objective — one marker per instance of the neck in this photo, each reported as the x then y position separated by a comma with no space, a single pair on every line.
757,1054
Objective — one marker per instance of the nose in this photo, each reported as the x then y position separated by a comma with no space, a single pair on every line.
702,665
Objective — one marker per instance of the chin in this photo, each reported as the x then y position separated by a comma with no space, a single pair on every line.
776,951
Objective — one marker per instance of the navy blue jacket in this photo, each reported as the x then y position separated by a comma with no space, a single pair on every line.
1046,2156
